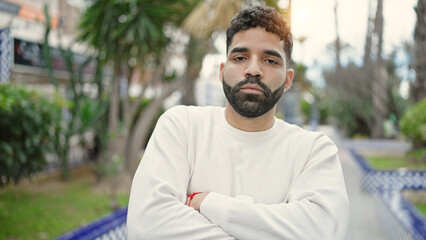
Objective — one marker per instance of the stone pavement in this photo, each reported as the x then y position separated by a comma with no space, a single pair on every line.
363,220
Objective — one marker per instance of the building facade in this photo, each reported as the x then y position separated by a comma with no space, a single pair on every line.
22,33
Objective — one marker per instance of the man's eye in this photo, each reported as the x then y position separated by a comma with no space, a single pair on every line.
238,59
270,61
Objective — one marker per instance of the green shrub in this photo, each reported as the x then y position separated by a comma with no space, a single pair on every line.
322,106
305,107
26,121
413,125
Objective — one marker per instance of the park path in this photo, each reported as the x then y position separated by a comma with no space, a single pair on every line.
363,220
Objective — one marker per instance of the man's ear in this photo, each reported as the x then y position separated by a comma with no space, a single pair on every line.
288,79
222,65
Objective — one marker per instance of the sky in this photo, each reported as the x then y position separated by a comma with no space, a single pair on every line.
314,19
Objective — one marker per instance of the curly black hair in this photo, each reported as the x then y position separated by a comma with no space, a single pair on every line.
264,17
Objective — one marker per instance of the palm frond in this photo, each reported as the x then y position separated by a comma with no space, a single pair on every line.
211,16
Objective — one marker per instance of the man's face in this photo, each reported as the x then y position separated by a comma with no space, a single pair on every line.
254,75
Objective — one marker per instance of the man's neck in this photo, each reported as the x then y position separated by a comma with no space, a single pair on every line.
256,124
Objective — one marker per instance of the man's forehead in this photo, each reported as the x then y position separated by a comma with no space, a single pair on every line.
255,39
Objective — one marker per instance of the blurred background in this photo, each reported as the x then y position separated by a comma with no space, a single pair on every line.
82,84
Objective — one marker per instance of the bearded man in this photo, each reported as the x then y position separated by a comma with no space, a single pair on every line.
237,172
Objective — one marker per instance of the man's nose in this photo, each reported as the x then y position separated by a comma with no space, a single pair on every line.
253,69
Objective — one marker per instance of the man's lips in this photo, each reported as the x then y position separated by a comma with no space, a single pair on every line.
251,88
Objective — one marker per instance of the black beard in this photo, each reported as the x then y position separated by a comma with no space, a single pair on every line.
252,105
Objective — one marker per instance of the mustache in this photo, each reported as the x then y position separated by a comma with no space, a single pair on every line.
253,80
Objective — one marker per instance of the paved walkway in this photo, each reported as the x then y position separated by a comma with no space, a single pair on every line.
363,220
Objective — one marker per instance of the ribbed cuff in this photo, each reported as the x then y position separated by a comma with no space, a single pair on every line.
215,207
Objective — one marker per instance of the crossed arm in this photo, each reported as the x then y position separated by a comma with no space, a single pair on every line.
196,200
314,212
317,208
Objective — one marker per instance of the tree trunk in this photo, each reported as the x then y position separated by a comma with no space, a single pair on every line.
140,131
115,140
379,75
369,38
196,50
114,102
338,45
379,107
188,91
418,88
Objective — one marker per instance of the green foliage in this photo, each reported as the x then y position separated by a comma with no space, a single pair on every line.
413,125
113,168
26,121
83,114
300,76
350,97
124,29
90,114
305,107
324,111
272,3
322,107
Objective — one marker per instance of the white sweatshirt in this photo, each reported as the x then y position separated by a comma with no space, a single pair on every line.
282,183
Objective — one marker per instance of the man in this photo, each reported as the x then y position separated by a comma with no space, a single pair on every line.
238,172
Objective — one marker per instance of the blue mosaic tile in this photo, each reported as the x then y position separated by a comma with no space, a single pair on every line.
110,227
388,186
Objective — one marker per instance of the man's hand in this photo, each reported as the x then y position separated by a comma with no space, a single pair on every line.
197,200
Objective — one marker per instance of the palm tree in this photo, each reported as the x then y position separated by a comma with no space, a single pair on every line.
376,70
215,15
338,45
419,85
379,76
210,16
369,37
129,36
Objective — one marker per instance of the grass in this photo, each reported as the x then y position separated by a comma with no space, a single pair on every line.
31,213
386,163
422,208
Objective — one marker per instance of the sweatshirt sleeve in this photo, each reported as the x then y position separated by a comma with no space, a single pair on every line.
317,206
157,207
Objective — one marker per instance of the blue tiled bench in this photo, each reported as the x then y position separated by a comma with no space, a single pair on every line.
110,227
399,218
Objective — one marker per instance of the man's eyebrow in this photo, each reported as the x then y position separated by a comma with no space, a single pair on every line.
273,53
239,50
